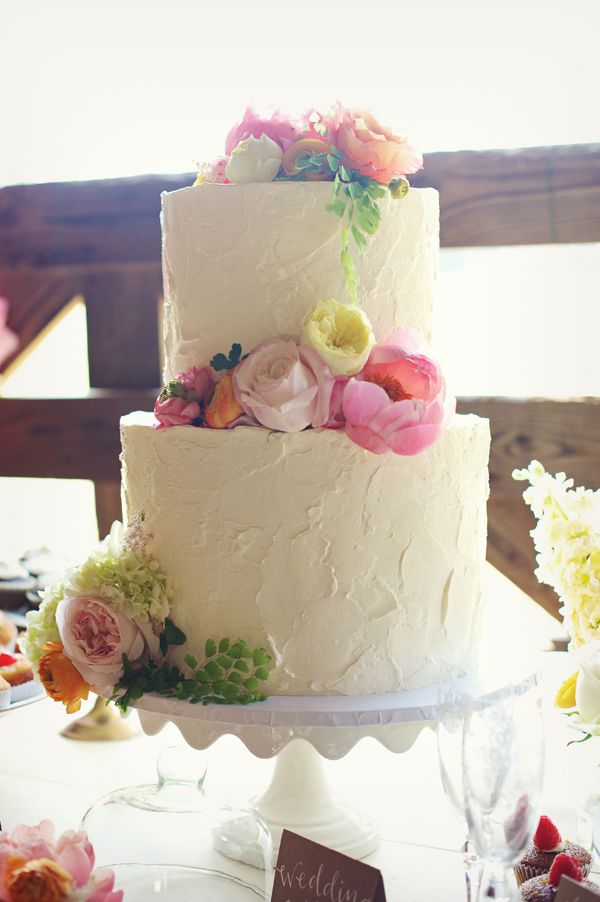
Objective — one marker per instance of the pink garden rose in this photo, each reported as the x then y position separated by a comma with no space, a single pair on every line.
372,149
95,637
175,412
398,403
283,386
279,128
198,380
72,851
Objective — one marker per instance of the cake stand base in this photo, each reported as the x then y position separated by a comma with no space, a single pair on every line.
299,799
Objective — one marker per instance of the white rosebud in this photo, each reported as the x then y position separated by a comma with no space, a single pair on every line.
254,160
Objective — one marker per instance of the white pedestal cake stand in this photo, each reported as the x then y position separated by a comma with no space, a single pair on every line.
298,730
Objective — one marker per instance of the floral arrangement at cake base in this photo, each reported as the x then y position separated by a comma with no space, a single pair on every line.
567,542
105,627
362,158
36,866
386,397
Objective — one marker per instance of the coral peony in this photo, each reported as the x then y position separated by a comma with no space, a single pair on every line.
224,409
372,149
60,678
284,387
398,403
278,128
95,637
39,879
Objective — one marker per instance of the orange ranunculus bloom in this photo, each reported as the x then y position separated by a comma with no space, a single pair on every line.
310,147
37,880
224,407
61,679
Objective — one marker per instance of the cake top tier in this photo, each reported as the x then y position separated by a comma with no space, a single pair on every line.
245,262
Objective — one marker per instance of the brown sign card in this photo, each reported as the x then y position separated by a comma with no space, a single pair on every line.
308,872
570,891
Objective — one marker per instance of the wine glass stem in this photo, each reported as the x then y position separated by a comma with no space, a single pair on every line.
496,884
473,871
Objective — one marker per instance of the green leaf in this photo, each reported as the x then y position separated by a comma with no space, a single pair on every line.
237,649
359,238
213,670
202,676
260,656
224,661
242,666
337,153
337,206
235,677
224,646
251,684
229,361
210,648
344,174
579,741
191,661
333,162
173,635
261,673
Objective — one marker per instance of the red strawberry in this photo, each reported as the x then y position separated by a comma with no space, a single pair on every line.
546,836
564,864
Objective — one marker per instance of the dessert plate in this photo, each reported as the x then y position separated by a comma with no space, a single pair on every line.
38,696
141,882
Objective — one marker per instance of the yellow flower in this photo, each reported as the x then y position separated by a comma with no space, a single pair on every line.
224,407
341,334
565,697
200,178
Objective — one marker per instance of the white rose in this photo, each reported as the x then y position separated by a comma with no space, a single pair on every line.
587,692
254,160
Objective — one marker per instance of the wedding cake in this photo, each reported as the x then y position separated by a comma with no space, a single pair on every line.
304,487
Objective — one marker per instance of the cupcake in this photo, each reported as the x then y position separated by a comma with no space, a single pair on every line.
18,673
8,632
545,887
547,844
5,691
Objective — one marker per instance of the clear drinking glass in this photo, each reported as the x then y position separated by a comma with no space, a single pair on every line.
454,701
503,762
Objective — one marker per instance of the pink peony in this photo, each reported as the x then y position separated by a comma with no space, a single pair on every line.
95,637
173,411
283,386
72,851
373,149
9,342
279,128
398,403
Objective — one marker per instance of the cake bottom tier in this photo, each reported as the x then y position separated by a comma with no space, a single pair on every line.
359,572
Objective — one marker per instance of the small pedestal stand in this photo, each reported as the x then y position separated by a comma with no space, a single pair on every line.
299,730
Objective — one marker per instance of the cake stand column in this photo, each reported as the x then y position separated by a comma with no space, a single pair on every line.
299,799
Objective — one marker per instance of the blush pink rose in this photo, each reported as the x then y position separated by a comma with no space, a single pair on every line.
95,637
278,128
372,149
284,387
175,412
398,402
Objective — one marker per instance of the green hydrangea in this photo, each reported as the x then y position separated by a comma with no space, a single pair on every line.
41,625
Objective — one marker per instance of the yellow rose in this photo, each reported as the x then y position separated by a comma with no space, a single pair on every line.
565,697
341,334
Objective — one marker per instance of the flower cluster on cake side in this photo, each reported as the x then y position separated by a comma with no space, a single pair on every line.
105,627
363,159
386,397
567,542
35,865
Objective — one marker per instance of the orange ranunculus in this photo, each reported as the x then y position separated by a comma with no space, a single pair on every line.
307,147
61,679
224,407
37,880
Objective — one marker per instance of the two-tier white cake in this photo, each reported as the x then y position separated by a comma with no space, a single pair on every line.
360,572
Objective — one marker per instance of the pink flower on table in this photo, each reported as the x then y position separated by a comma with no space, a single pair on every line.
174,411
74,852
95,637
102,887
398,403
9,342
372,149
283,386
278,128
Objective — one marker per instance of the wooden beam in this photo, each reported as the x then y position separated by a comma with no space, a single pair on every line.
527,196
66,438
108,505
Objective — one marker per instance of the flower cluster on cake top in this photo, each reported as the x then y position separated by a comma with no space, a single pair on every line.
105,627
348,147
35,865
386,397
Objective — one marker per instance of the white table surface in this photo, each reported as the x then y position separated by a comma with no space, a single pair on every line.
45,775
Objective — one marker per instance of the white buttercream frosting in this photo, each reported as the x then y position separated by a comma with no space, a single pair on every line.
360,572
245,262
